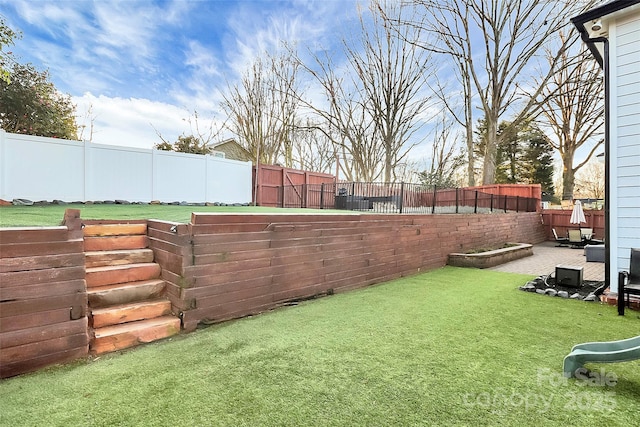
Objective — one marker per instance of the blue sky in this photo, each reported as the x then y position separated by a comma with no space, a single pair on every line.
143,64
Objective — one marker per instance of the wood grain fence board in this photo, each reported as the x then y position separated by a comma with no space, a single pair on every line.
33,235
41,348
35,305
171,261
227,287
294,258
223,257
227,311
23,366
231,247
15,250
169,237
209,280
43,290
43,333
32,320
226,267
236,295
307,267
225,218
208,239
181,250
40,262
176,279
35,277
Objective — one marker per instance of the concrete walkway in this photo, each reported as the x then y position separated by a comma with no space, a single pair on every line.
547,255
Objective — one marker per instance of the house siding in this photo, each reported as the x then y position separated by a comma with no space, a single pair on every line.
625,141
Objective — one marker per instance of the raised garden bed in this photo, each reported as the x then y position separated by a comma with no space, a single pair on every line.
491,258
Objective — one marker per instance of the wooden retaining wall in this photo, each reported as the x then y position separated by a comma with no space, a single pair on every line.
43,298
223,266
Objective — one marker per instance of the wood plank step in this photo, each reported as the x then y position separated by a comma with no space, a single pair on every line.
118,337
117,257
109,275
124,313
123,293
114,229
111,243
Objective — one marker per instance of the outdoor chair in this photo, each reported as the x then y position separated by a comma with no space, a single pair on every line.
561,241
587,233
575,239
629,282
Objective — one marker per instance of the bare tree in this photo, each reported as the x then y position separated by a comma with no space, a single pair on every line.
345,122
376,108
392,74
495,46
572,116
590,181
312,150
262,108
445,159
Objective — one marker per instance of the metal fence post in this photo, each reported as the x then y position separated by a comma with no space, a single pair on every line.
505,204
491,202
457,200
433,203
517,203
322,195
475,204
401,196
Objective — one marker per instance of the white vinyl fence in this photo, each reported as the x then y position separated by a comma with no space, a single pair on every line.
38,168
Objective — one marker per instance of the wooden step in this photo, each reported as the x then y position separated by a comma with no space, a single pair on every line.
109,275
123,313
118,337
115,243
114,229
123,293
118,257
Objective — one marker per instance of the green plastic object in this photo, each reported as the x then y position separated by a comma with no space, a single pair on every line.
601,352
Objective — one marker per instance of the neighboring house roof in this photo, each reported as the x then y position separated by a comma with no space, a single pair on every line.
233,151
599,26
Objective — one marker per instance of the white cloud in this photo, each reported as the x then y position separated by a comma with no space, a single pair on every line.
129,122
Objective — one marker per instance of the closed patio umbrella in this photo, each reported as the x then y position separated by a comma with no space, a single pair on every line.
577,215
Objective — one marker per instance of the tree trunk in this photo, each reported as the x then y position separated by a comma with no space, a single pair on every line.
568,178
489,167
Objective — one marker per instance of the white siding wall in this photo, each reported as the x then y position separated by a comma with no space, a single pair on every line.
39,168
625,141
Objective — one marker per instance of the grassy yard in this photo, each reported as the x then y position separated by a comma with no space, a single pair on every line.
449,347
50,215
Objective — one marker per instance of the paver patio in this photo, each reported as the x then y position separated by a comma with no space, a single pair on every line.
546,256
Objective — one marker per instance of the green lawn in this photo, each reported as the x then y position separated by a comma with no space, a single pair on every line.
449,347
50,215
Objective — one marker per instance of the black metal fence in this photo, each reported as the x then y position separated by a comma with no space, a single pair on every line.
399,198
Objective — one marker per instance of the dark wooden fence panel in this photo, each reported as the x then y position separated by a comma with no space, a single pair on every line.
560,220
271,179
43,299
